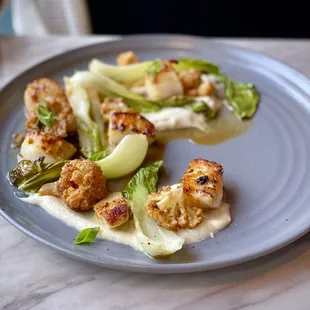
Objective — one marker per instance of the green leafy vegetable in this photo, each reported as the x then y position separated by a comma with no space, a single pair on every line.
90,125
28,176
100,155
106,87
202,107
46,115
155,240
145,180
87,235
200,65
125,74
242,98
155,67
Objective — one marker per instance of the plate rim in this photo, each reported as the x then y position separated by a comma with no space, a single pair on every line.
168,267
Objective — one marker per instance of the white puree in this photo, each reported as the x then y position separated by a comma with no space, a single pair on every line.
177,118
214,221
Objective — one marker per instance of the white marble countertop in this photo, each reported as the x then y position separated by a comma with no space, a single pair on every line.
33,276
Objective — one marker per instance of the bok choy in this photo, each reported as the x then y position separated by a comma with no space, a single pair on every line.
28,176
90,125
155,240
241,98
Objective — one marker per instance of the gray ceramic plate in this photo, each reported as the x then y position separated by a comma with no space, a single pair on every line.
266,169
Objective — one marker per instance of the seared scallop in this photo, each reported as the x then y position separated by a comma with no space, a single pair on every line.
203,184
164,83
112,210
48,93
125,123
52,148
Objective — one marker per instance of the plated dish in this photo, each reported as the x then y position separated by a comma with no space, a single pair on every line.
257,156
103,124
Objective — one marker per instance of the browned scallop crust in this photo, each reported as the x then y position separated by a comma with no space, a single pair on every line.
111,105
49,91
202,183
125,123
81,184
190,78
113,210
55,147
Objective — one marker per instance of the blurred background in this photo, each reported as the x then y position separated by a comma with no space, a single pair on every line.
210,18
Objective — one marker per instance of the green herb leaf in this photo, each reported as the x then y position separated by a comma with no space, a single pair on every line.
155,67
100,155
46,115
86,235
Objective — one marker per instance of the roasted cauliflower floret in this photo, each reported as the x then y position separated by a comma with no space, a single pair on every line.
127,58
50,92
112,210
167,209
81,184
53,148
203,184
164,84
190,78
126,123
111,105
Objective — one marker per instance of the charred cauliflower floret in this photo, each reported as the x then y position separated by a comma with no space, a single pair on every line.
167,209
112,210
81,184
111,105
190,78
38,144
203,184
181,206
163,82
125,123
127,58
51,94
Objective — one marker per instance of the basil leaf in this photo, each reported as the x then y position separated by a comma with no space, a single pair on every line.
46,115
86,235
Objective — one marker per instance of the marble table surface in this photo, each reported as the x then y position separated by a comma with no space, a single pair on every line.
33,276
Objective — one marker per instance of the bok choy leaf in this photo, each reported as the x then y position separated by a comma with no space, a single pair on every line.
155,240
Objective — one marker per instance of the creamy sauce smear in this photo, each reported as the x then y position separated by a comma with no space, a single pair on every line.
214,220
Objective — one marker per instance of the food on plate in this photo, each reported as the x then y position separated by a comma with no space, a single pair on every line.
48,109
53,148
81,184
113,210
122,124
105,125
